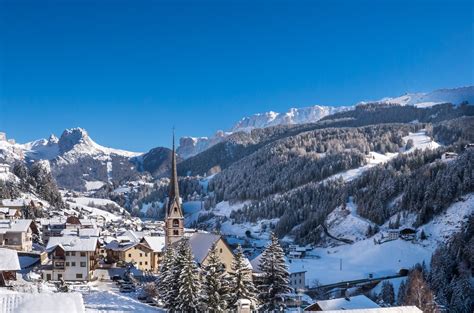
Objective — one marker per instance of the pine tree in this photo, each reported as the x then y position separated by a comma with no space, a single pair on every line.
165,280
275,276
216,297
387,295
188,298
401,293
242,286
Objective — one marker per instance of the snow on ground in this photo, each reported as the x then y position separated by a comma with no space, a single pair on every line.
111,302
420,141
373,159
105,298
256,230
224,208
450,222
83,203
359,260
94,185
346,223
41,303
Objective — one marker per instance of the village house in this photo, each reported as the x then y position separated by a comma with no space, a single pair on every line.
348,303
201,244
71,258
157,245
138,254
9,265
9,214
17,234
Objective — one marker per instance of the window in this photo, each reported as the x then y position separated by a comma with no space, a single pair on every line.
129,255
67,253
78,275
73,253
175,232
83,264
175,223
146,263
140,263
83,254
140,255
146,254
67,263
220,250
73,263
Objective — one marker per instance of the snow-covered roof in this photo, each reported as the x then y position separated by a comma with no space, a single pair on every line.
73,243
156,243
9,260
14,302
357,302
120,246
395,309
83,232
201,243
255,263
18,225
14,202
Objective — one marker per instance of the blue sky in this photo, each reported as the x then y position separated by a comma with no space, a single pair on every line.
127,71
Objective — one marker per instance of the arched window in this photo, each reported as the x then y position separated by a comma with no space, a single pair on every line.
175,223
175,232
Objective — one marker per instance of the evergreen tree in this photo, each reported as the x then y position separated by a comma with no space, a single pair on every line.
216,297
401,293
165,280
387,295
242,286
275,280
188,299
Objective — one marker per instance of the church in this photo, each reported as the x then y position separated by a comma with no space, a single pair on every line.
200,242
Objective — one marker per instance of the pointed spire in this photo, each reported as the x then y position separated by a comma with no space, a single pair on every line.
174,190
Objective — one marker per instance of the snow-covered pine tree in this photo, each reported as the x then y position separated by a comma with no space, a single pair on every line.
188,298
215,284
242,286
165,280
387,295
275,280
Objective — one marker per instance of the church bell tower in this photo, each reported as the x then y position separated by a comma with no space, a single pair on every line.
174,221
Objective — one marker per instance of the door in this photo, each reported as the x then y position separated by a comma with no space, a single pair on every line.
48,277
60,276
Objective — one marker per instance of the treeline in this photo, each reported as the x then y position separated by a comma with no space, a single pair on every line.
420,181
242,144
426,184
310,156
36,179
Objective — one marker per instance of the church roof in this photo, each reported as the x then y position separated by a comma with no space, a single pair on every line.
201,244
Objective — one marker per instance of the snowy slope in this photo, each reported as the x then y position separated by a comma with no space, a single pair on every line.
427,99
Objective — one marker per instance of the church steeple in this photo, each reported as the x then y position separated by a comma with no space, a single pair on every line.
174,222
174,190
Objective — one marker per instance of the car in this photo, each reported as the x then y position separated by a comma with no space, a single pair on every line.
127,288
116,277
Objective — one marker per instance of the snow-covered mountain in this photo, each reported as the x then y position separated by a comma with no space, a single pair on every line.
190,146
74,159
72,144
427,99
